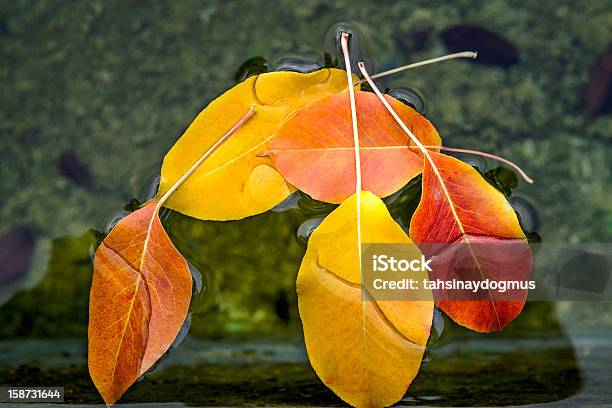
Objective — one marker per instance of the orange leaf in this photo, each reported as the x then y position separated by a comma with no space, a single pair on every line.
314,150
458,207
139,300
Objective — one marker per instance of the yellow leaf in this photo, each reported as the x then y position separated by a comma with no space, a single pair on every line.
234,182
367,352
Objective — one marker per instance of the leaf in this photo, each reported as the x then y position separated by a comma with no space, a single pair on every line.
329,61
503,179
458,208
133,205
461,209
252,66
234,182
314,150
139,300
140,292
367,352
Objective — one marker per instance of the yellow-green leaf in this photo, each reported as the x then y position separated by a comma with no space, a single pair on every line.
367,352
235,182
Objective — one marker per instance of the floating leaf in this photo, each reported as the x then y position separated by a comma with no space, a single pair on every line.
329,61
503,179
139,299
458,207
133,205
252,66
314,149
234,182
368,352
140,292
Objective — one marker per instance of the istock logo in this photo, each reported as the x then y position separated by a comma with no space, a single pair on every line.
383,263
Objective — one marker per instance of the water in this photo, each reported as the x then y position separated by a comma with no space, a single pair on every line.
527,213
118,86
307,228
276,372
358,44
410,97
297,64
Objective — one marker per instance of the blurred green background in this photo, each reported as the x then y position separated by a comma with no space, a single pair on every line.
92,95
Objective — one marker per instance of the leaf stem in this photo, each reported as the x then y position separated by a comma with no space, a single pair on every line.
415,140
464,54
490,156
423,148
351,90
206,154
386,104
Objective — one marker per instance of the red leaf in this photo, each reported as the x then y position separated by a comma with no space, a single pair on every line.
458,207
314,150
139,300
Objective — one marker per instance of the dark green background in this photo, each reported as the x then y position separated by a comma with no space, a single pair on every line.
117,82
